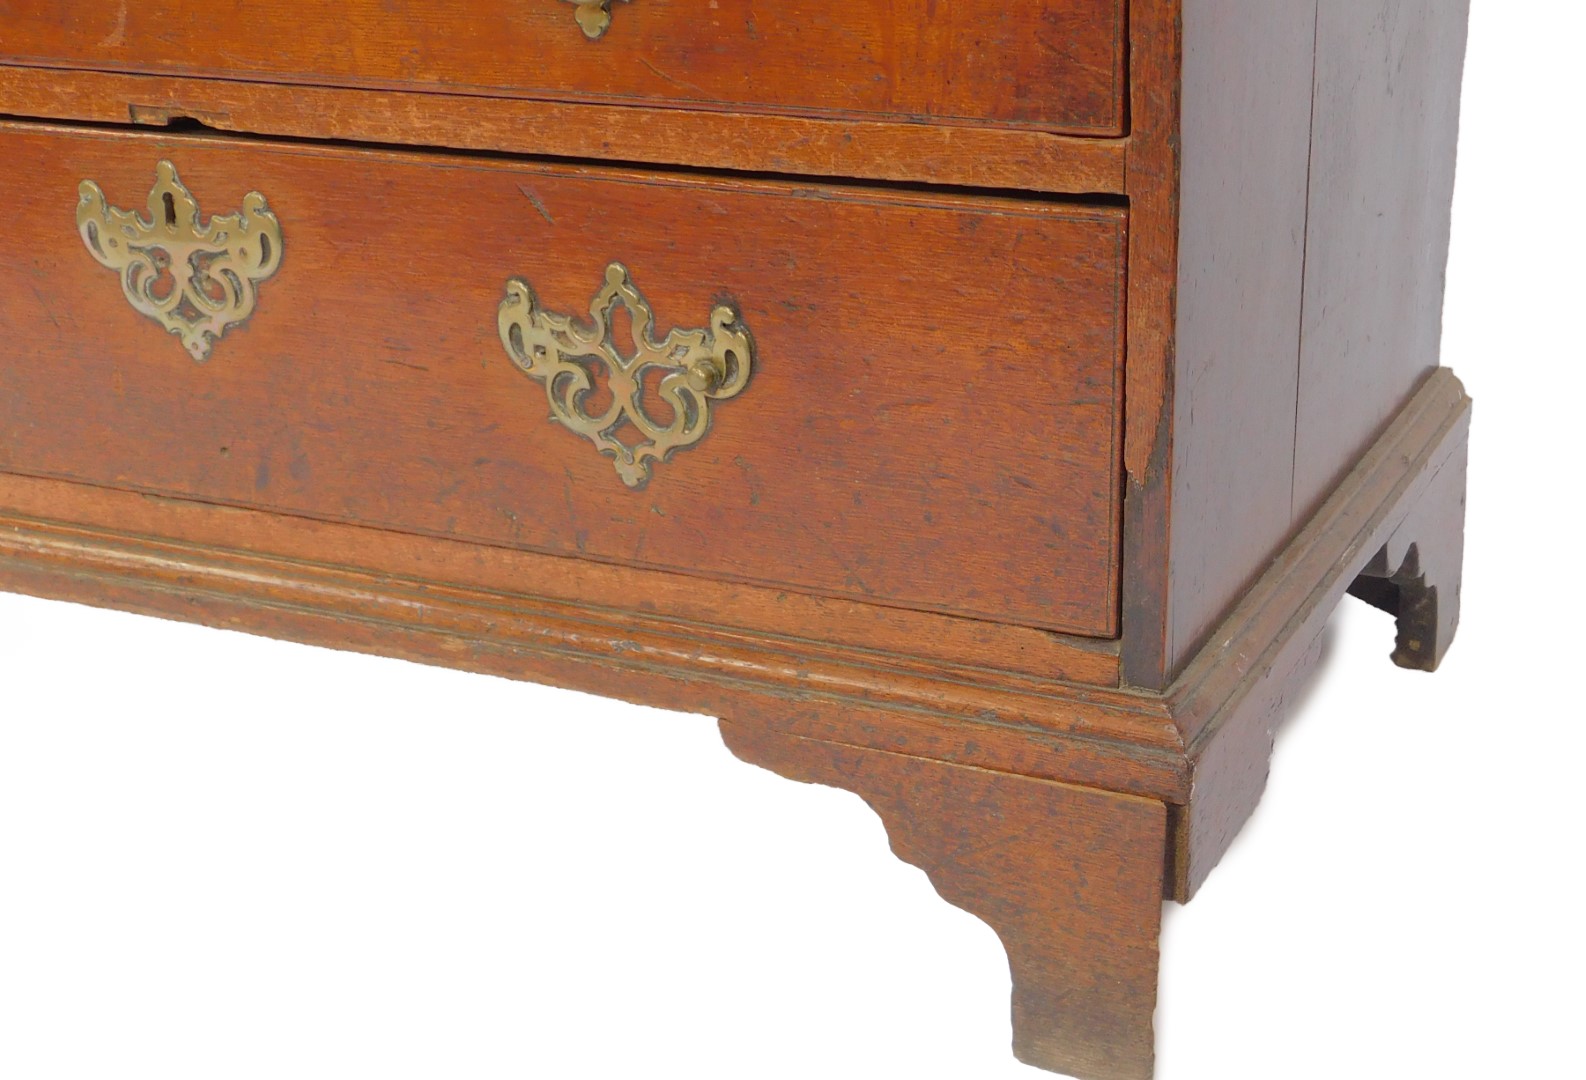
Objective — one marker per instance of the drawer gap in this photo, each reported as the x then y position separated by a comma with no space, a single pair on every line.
195,127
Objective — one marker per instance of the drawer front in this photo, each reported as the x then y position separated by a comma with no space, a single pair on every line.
929,418
1054,64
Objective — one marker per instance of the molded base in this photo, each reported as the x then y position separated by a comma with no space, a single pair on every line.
1061,813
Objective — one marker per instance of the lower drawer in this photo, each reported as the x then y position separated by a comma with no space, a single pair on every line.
907,399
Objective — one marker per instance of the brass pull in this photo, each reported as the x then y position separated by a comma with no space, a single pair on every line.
195,278
593,16
696,368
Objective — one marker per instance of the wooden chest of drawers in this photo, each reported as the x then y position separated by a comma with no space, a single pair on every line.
977,406
1058,66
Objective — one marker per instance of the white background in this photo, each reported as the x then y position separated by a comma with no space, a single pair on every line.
223,857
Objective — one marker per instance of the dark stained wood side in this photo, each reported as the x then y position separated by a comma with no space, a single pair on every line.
1387,120
1057,65
1399,514
1309,286
1015,159
1244,145
1417,577
926,366
1071,880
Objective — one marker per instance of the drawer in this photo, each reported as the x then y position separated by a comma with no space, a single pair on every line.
920,406
1056,65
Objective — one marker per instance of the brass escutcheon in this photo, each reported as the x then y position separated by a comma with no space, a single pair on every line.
593,16
696,368
195,278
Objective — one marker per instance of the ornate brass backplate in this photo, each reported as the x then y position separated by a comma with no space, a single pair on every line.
195,278
687,370
593,16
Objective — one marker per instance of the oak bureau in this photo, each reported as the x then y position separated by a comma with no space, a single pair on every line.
979,406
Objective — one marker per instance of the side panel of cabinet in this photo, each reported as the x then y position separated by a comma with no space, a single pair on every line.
1244,123
1382,182
1315,160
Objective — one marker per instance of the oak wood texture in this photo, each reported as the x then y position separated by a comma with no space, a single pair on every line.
1399,514
1290,176
1240,282
917,389
1382,188
888,150
940,755
896,734
766,657
1028,527
1057,65
1151,179
1415,577
826,669
1070,879
1385,77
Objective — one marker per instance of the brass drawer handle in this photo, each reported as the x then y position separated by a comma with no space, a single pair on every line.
195,278
593,16
696,367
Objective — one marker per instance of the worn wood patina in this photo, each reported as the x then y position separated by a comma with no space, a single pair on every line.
1082,357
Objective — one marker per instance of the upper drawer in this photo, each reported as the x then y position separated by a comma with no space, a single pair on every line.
914,400
1057,65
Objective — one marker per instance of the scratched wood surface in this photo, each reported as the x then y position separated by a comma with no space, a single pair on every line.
1152,181
1016,159
661,640
1057,65
862,567
1409,489
1070,879
1290,177
1382,187
1217,179
1247,68
932,422
638,635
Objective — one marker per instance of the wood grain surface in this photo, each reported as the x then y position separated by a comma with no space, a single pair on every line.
1382,187
1242,189
1057,66
1042,604
1409,490
1217,175
932,424
1151,178
829,670
1289,174
1017,159
1069,878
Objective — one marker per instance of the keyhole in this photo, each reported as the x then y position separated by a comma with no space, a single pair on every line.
170,210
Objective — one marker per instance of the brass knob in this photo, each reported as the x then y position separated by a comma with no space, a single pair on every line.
593,16
705,374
